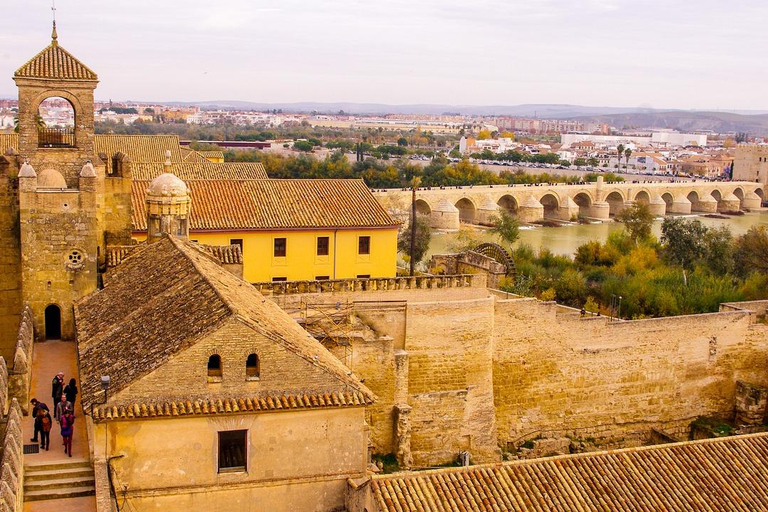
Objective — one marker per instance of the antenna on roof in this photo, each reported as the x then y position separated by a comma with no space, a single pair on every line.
54,35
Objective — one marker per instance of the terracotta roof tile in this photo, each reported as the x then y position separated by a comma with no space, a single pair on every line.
712,475
165,297
274,204
140,148
55,62
226,254
205,170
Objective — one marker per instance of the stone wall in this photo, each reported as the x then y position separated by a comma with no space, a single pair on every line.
12,469
10,257
19,378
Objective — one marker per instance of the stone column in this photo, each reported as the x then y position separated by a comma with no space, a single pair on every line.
568,210
600,209
729,203
657,206
530,210
403,436
706,204
681,204
751,201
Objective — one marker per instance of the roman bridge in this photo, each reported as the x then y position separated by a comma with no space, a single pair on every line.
447,207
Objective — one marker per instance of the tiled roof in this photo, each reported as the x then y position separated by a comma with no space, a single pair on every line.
55,62
204,170
163,299
190,155
212,154
268,402
139,148
226,254
710,475
274,204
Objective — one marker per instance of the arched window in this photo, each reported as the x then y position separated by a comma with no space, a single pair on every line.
55,123
252,367
214,366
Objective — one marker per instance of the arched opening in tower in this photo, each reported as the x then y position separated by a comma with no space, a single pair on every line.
55,123
52,322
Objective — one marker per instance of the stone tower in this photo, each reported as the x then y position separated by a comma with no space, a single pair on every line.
168,207
68,208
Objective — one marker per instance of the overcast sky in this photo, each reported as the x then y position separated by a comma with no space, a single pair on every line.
702,54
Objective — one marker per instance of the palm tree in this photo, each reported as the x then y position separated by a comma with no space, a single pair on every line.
627,154
620,151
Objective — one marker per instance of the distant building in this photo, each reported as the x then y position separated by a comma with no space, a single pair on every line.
751,163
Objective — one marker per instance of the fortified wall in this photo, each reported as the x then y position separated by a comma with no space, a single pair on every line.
472,369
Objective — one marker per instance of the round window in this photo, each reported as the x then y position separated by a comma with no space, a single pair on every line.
75,259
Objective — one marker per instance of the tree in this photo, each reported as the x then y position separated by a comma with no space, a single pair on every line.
593,162
638,219
627,154
620,151
423,235
505,227
683,241
580,162
402,141
303,145
483,134
751,251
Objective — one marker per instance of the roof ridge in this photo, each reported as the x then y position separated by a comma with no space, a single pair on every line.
570,456
181,246
55,46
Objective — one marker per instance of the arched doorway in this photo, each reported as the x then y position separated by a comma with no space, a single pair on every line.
53,322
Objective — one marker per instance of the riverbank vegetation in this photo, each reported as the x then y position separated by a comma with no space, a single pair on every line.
691,269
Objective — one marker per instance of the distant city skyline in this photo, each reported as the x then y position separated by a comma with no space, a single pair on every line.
702,55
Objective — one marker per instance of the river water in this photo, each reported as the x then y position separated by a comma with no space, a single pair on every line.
565,239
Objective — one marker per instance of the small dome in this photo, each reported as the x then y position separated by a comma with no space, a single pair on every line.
51,178
167,184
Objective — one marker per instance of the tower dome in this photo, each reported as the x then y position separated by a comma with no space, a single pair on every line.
51,178
168,207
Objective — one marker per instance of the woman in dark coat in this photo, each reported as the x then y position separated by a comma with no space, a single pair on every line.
71,391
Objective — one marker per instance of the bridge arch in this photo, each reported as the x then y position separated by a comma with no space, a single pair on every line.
668,198
423,207
508,203
467,210
615,201
717,195
693,197
760,194
551,203
643,197
584,201
739,192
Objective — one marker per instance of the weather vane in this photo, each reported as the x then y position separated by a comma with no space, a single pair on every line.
53,8
54,35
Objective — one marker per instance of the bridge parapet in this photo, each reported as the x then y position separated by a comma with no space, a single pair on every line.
372,284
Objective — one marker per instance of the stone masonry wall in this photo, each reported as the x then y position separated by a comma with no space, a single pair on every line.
10,257
12,462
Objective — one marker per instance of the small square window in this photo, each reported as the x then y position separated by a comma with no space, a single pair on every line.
233,450
279,279
236,241
322,278
363,276
364,245
322,246
280,247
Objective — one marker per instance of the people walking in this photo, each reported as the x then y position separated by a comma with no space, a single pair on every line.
46,423
67,421
36,407
57,387
71,392
61,407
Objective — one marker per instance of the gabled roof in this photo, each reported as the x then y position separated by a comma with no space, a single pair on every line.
163,299
274,204
714,474
56,63
139,148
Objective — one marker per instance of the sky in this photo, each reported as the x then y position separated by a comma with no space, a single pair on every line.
687,54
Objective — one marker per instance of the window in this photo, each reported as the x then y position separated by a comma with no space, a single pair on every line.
252,367
232,450
237,241
363,276
322,246
322,278
279,279
364,245
280,247
214,366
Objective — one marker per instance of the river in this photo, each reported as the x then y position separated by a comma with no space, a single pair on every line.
564,240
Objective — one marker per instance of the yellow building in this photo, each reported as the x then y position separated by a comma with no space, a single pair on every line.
289,230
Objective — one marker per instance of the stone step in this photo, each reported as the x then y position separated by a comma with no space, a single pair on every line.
48,466
52,474
58,494
59,483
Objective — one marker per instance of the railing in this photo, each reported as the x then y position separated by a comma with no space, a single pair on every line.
56,137
373,284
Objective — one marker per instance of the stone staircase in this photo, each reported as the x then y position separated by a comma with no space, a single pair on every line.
55,481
